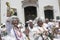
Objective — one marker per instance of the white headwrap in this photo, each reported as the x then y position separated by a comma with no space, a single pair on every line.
12,18
9,24
39,19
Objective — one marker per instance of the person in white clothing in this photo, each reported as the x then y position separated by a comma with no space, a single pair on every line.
41,30
32,29
49,26
15,32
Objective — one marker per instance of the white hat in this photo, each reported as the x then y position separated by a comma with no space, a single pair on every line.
46,19
14,17
40,19
30,21
27,21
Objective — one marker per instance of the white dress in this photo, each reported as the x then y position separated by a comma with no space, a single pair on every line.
32,32
40,31
12,36
36,36
8,27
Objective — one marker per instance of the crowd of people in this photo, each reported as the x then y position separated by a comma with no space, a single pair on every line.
38,29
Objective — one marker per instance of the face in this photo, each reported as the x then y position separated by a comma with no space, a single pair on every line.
46,21
15,22
40,23
31,24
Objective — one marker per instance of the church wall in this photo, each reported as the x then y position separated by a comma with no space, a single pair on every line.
20,10
3,11
14,4
43,3
59,5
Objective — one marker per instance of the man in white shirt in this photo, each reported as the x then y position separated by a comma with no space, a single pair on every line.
49,26
32,30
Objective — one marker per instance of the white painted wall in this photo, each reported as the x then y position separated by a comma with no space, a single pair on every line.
14,4
20,10
43,3
59,5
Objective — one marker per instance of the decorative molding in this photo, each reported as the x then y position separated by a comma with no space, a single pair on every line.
48,7
29,3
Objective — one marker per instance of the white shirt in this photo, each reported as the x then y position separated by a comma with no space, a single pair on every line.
32,32
39,30
12,36
46,25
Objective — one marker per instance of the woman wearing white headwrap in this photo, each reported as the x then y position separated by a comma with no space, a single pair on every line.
15,32
41,30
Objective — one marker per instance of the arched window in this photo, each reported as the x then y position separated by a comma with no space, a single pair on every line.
30,9
30,13
48,11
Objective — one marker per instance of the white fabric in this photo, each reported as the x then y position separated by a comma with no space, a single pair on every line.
8,27
11,36
32,32
8,24
22,27
39,30
46,25
40,38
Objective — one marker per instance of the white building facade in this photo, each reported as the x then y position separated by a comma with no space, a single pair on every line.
43,8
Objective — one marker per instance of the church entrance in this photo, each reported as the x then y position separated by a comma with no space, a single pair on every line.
30,13
49,14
